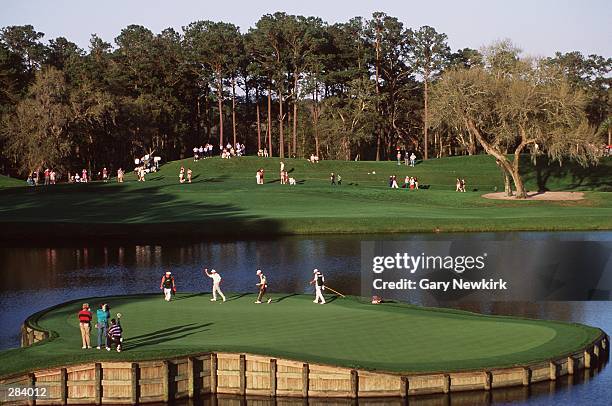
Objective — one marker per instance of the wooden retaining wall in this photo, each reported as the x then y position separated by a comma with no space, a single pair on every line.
246,374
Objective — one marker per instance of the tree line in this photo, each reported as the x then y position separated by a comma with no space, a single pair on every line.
292,85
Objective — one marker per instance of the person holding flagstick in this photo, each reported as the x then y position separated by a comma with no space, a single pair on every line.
319,282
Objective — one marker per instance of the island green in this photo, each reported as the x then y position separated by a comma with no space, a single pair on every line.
345,332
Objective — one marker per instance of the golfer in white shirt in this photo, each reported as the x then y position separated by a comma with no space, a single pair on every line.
319,282
216,282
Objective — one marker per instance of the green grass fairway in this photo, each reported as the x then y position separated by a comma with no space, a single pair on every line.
345,332
6,182
225,201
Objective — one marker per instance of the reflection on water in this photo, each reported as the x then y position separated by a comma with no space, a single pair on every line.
35,277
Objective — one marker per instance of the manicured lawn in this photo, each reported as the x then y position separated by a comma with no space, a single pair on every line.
225,201
6,182
347,332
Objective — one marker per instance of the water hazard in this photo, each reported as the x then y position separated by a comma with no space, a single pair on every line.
38,276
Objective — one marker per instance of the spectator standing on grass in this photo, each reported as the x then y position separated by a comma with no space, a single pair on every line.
120,175
216,278
412,159
282,172
458,185
332,178
406,159
462,184
52,177
189,173
399,157
85,325
102,316
104,175
339,179
394,182
182,175
46,176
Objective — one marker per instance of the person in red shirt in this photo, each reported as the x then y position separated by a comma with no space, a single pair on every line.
85,325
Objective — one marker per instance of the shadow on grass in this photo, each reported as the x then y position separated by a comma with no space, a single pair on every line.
280,299
164,335
120,210
570,174
189,296
236,297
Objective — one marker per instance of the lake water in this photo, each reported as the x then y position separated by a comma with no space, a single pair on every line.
37,276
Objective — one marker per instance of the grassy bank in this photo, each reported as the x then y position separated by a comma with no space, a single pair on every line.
224,200
345,332
8,182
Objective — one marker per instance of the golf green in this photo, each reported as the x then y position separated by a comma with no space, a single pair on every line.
345,332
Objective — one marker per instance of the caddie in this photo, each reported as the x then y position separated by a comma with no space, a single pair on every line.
168,286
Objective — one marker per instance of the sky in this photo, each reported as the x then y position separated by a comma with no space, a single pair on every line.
539,27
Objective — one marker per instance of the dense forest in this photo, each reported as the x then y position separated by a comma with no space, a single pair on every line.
293,85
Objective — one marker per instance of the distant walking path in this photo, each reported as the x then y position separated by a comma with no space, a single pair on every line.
548,196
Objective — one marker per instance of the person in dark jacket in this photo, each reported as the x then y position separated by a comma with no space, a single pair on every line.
168,286
115,335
